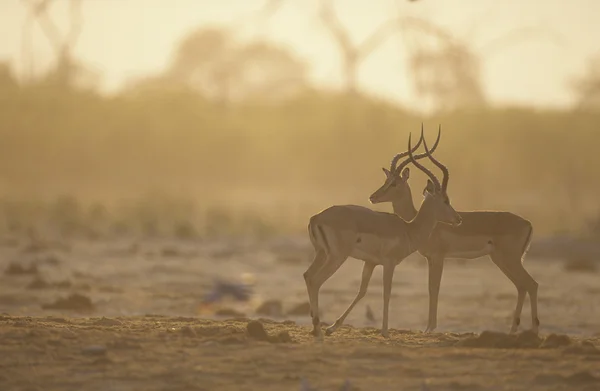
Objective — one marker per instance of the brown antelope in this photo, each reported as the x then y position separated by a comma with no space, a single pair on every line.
504,236
377,238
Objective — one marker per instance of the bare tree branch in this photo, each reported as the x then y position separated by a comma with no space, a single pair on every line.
378,37
519,36
27,46
353,54
62,45
50,30
330,20
76,24
270,8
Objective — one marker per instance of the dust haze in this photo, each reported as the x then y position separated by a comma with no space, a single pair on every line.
193,141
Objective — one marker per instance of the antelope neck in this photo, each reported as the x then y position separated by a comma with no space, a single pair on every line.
405,209
420,227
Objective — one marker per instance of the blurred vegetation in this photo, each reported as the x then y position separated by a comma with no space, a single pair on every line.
232,139
587,86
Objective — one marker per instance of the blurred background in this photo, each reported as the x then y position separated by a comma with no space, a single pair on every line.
198,118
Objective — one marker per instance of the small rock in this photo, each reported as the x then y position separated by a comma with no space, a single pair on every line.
554,341
270,308
256,331
489,339
528,339
282,337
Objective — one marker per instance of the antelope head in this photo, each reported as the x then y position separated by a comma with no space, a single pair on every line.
436,199
396,185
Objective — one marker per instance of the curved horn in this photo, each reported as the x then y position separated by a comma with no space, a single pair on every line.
419,166
399,156
440,165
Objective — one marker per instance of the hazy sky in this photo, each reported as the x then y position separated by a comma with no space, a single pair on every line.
127,38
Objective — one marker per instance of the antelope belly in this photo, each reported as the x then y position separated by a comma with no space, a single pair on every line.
371,248
466,246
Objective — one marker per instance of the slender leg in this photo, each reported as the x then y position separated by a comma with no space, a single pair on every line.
316,264
535,321
500,261
367,272
388,276
436,267
531,286
521,292
332,264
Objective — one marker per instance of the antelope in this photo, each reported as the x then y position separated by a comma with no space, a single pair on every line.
376,238
504,236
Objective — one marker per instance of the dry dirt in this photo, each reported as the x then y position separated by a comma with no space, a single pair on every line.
109,315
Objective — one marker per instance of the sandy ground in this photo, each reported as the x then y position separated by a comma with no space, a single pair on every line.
137,325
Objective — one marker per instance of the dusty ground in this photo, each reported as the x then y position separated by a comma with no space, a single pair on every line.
137,325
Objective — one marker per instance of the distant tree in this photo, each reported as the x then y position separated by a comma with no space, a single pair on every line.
587,86
446,71
8,81
202,60
211,62
267,72
66,72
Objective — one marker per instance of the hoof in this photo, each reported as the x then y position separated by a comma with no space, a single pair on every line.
430,329
329,331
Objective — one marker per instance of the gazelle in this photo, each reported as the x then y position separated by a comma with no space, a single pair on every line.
377,238
504,236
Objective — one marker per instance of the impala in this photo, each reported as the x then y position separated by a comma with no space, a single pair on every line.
504,236
377,238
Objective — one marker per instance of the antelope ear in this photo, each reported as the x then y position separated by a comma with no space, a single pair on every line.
429,188
405,174
386,172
